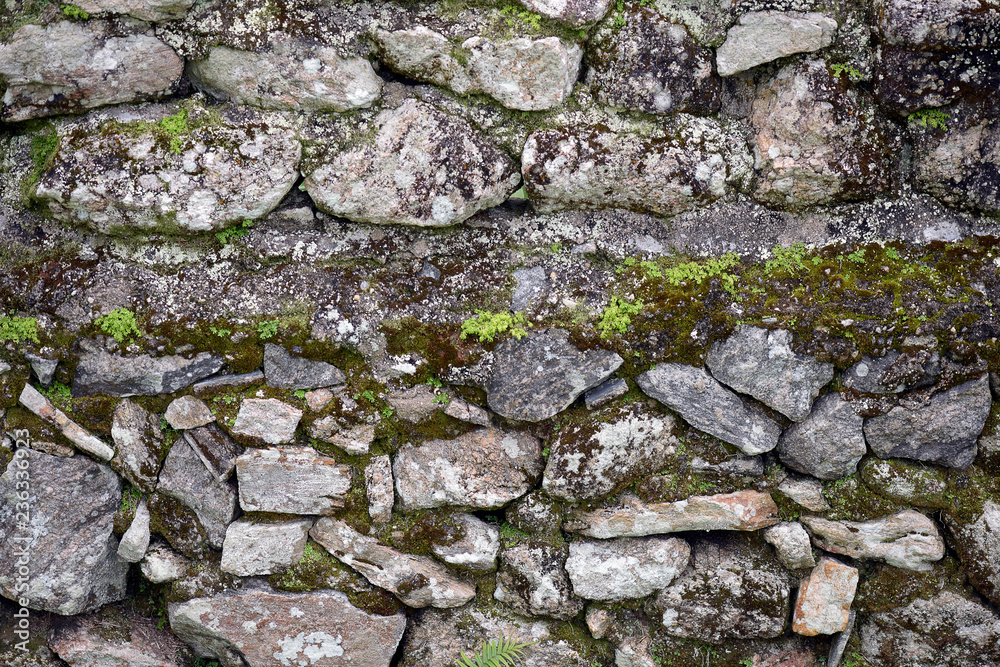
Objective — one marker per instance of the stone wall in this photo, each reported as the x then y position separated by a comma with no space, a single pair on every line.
365,333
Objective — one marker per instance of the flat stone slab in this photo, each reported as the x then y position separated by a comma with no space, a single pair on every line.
100,372
267,420
742,510
116,639
541,375
828,443
287,372
240,380
476,550
908,539
823,606
762,37
32,399
708,406
144,10
416,580
572,12
215,449
254,549
188,412
186,479
625,568
291,480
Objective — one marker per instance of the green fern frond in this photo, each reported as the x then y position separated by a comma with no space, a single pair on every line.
495,653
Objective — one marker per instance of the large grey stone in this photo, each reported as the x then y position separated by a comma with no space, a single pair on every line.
188,412
252,549
761,37
978,545
823,606
907,81
186,479
416,580
100,372
828,443
267,420
116,638
944,430
761,363
906,481
541,374
321,629
66,544
69,67
708,406
533,580
144,10
215,449
484,469
908,539
625,568
81,439
287,372
135,541
477,548
423,167
291,480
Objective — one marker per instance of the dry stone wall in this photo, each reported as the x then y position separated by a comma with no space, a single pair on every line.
368,332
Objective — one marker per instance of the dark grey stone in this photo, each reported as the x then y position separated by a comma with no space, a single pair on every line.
893,373
978,545
287,372
186,479
605,392
100,372
532,285
45,369
139,444
216,450
241,380
428,270
828,444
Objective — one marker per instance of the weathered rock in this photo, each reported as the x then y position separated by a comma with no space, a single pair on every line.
115,638
625,568
708,406
943,431
423,168
541,374
761,37
415,403
69,67
484,469
354,441
593,460
178,524
651,64
658,172
573,12
605,392
944,24
215,449
318,399
67,543
908,539
210,170
828,443
81,439
806,492
734,590
267,628
186,479
791,542
742,510
144,10
45,369
135,541
188,412
252,549
823,606
907,482
267,419
291,480
416,580
533,580
462,410
838,643
816,141
978,545
476,550
288,73
241,380
907,81
102,373
893,373
287,372
761,363
161,564
535,514
379,489
532,285
743,466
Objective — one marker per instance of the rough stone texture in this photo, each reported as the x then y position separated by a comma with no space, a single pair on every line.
907,80
761,37
659,172
67,541
379,488
908,539
605,392
541,374
535,514
417,581
144,10
81,439
761,363
188,412
223,167
807,492
907,482
828,443
476,550
944,430
321,629
69,67
135,541
733,590
291,480
791,542
178,524
161,564
215,449
595,459
356,441
44,369
422,168
115,638
252,549
464,411
708,406
573,12
945,23
414,404
625,568
533,580
186,479
893,373
742,510
287,372
290,74
524,73
102,373
816,141
318,399
532,285
978,545
484,469
651,64
235,381
267,419
823,606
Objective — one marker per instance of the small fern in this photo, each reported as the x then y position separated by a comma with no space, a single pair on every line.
495,653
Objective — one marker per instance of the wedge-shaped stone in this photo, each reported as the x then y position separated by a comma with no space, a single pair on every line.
287,372
625,568
908,539
823,606
828,443
742,510
267,419
84,441
379,488
708,406
476,550
144,10
416,580
484,469
102,373
188,412
135,541
252,549
321,629
186,479
533,580
761,37
291,480
215,449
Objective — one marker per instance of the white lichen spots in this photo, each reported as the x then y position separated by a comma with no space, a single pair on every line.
295,612
313,647
249,627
